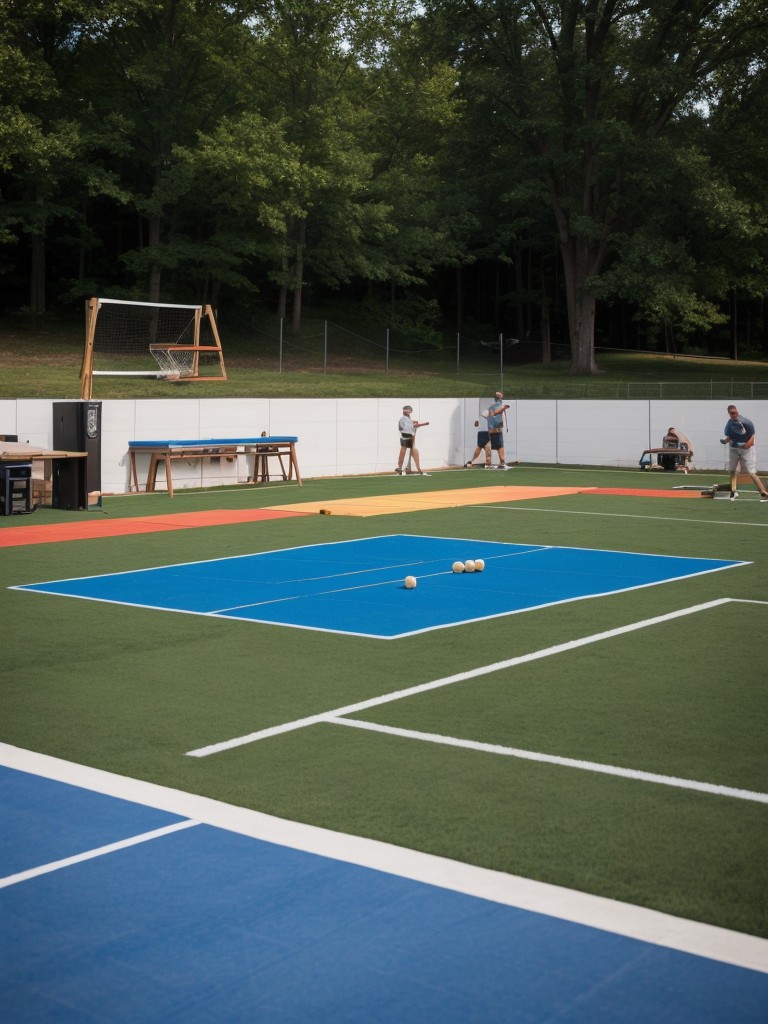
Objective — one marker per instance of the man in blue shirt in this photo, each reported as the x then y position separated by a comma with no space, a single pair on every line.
742,455
495,416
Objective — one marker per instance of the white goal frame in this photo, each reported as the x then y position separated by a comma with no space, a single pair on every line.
175,361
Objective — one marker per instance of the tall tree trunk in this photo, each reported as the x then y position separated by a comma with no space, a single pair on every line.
37,275
546,340
37,257
155,272
298,270
581,304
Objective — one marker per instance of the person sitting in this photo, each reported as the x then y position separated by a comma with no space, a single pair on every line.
675,441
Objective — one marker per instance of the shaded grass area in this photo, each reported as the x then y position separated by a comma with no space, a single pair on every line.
131,690
44,362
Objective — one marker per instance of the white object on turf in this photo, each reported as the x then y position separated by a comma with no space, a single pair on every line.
469,565
410,582
479,565
458,567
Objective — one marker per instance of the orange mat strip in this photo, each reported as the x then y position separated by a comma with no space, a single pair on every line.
388,504
88,529
642,493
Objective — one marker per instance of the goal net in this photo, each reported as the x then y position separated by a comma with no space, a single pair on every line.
150,339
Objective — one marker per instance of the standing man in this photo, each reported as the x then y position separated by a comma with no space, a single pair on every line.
408,428
742,455
483,445
495,416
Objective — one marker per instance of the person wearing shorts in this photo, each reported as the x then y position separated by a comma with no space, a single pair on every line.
495,417
742,454
483,444
408,427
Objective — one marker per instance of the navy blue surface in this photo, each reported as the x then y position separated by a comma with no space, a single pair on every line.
358,586
207,925
209,442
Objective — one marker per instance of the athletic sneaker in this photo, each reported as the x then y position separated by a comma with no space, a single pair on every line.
764,497
468,465
486,466
734,495
423,474
504,467
399,472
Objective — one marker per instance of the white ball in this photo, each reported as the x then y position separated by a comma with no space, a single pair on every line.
458,567
410,582
479,565
469,565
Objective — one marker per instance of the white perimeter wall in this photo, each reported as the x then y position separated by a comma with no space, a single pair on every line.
350,436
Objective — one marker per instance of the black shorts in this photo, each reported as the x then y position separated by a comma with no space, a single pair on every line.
482,438
497,441
406,440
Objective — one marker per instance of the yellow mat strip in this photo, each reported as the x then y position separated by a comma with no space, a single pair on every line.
388,504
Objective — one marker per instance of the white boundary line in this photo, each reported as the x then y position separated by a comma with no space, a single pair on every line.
99,851
566,762
555,901
612,515
483,670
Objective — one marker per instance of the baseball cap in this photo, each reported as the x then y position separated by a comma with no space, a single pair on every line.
407,408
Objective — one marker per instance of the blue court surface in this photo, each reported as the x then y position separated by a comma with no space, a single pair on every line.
357,586
202,923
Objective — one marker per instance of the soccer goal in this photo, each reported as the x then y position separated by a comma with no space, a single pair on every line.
149,339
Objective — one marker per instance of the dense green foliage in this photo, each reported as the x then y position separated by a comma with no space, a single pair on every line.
561,172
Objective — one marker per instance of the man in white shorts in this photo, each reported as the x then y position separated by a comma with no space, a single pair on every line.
742,455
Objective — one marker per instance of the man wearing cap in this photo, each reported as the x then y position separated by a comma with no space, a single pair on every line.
495,416
408,428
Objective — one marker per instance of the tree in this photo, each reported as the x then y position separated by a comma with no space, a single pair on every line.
585,89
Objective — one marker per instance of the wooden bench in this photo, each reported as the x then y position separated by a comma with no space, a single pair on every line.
261,448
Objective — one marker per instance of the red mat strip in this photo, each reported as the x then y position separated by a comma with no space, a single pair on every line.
88,529
642,493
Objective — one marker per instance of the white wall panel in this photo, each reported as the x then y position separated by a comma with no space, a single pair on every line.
8,412
603,433
339,437
533,430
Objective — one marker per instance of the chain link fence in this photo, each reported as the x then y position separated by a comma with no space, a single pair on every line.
323,346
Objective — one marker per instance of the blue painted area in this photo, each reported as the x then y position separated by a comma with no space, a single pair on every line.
207,925
357,586
209,442
45,821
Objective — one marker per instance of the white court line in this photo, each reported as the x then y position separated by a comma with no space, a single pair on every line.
100,851
651,926
567,762
611,515
325,716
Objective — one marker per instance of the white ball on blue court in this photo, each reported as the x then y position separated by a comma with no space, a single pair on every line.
479,565
410,582
458,567
469,565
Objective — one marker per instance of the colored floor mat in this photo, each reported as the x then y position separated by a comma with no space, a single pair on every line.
640,492
415,501
87,529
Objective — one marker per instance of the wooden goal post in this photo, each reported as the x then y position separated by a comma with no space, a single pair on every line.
124,338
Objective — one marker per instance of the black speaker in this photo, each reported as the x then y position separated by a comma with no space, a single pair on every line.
76,428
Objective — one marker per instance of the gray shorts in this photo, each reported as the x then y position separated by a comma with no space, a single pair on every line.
742,458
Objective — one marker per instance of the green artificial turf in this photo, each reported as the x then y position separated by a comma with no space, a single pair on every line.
132,690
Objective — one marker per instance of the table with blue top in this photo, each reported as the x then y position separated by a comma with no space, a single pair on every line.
261,448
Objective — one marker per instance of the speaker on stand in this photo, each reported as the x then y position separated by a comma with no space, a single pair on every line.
76,428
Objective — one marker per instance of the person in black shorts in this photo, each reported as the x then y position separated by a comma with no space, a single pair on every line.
483,444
